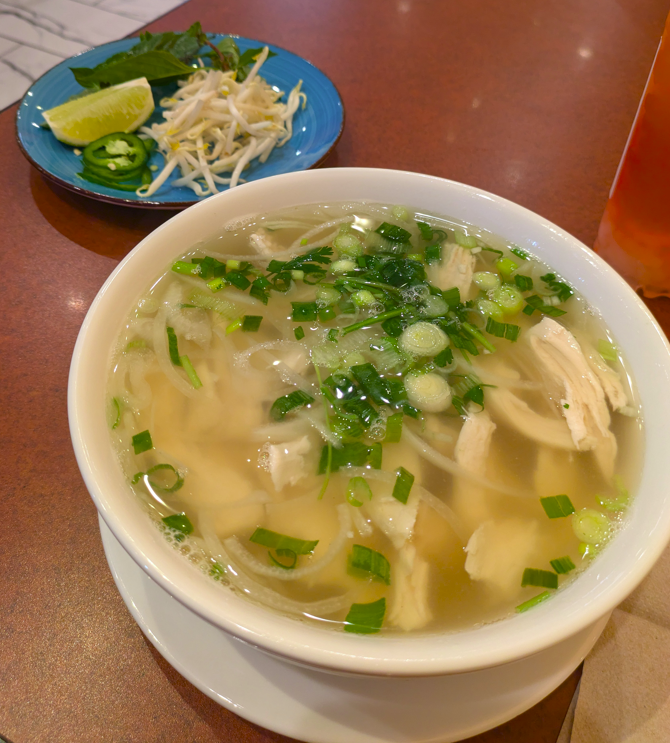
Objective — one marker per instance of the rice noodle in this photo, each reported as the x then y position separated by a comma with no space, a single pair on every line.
247,560
262,594
448,465
297,244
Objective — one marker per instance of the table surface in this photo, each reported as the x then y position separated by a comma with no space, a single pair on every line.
532,100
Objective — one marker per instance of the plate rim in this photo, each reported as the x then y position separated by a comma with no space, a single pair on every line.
156,205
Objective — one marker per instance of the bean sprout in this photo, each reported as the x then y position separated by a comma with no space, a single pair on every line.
215,125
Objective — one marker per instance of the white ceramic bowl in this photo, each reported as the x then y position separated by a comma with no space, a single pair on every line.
606,582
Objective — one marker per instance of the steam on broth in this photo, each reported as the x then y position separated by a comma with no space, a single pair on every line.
375,418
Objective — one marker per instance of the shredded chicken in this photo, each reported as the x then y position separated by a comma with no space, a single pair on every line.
583,399
393,518
409,607
471,501
516,413
609,379
287,462
456,270
499,551
263,243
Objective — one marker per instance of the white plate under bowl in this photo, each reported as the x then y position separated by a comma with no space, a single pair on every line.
328,708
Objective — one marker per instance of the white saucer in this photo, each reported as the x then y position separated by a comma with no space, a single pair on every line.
325,708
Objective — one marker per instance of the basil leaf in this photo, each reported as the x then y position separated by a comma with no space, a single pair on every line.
154,65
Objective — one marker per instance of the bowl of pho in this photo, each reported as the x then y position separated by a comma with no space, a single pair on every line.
376,422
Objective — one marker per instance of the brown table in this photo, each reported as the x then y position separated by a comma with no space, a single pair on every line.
531,99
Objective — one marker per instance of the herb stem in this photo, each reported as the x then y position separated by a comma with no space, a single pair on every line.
373,320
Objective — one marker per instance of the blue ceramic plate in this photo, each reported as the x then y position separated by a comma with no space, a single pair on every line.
315,129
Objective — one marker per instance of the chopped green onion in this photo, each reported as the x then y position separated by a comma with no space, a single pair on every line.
502,330
178,483
363,298
476,334
342,266
173,346
542,578
365,619
557,506
188,269
276,541
525,283
348,245
215,285
591,526
140,342
190,372
393,428
299,333
142,442
563,565
357,491
433,253
284,553
232,264
114,416
486,280
393,233
423,339
607,350
180,523
403,485
465,241
304,241
506,267
452,296
233,326
326,313
509,298
251,323
490,309
332,335
367,560
282,405
536,303
588,550
304,311
373,385
533,602
401,213
238,280
520,253
354,454
616,504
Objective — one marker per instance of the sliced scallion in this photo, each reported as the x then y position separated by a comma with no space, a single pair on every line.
114,416
563,565
393,428
403,484
525,283
365,619
190,372
369,561
304,311
173,346
542,578
142,442
557,506
290,554
591,526
533,602
176,485
282,405
607,350
299,333
357,491
251,323
276,541
181,523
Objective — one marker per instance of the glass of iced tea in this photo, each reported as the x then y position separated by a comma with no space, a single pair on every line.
634,235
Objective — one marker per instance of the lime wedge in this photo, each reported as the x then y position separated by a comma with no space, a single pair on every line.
120,108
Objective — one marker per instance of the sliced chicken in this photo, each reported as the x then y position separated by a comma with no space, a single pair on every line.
287,461
517,414
609,379
263,243
583,399
455,270
395,519
499,551
471,501
409,606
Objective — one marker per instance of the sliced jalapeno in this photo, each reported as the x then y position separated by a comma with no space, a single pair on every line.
116,154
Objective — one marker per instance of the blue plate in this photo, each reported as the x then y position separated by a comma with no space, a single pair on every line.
315,129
